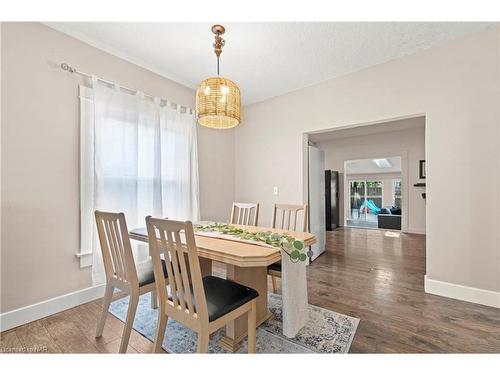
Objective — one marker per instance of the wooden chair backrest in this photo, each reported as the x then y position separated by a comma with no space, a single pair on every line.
289,214
175,240
241,213
115,247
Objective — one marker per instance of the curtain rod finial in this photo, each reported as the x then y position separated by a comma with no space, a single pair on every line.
68,68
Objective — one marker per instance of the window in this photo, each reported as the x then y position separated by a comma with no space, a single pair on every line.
357,196
374,192
138,156
396,193
365,197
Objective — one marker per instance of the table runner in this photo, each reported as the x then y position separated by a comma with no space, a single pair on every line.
230,237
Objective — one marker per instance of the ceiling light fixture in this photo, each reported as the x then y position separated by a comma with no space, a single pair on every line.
218,103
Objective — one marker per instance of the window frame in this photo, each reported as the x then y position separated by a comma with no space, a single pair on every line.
86,183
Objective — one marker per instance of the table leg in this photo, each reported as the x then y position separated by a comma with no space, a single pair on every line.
256,278
154,296
206,266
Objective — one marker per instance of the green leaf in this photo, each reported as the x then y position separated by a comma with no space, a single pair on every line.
284,241
299,245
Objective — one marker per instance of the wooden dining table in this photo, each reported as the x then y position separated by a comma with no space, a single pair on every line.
246,263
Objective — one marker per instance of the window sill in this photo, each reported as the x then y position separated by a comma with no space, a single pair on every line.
85,259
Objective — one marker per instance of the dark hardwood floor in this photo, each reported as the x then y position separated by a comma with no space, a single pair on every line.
71,331
380,280
363,273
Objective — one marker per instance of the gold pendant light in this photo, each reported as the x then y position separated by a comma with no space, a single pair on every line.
218,103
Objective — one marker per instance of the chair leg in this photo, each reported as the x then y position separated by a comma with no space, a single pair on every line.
132,307
252,317
106,301
160,331
275,283
203,338
154,300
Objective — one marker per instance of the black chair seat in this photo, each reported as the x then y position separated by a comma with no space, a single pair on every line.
275,266
224,296
146,275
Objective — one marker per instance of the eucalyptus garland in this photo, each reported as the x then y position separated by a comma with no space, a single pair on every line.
290,245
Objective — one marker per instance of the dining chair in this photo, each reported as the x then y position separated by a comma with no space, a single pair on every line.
241,213
203,304
285,217
121,270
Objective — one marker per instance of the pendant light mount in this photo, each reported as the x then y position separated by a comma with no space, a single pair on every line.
218,30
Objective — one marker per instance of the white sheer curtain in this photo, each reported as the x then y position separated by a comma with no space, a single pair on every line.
145,161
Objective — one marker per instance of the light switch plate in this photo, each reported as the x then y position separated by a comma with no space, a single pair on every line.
275,190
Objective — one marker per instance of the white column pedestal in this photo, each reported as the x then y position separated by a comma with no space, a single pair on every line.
294,294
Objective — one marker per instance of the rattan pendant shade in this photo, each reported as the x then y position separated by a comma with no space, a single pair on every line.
218,103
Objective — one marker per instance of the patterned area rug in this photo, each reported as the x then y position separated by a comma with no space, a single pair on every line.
325,332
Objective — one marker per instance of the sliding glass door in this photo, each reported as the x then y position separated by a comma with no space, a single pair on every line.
357,193
365,199
374,192
396,193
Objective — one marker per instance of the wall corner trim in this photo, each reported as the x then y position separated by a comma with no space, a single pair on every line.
27,314
462,292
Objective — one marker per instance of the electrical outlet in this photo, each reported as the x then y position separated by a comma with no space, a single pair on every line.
275,190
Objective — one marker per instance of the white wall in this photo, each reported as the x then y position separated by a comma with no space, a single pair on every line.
216,169
408,143
0,144
455,86
39,164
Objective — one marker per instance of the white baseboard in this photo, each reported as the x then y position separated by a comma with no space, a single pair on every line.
415,231
23,315
461,292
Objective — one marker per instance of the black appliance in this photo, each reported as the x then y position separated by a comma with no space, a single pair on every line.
332,187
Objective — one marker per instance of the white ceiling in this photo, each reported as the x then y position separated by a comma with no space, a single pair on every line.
368,166
265,59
